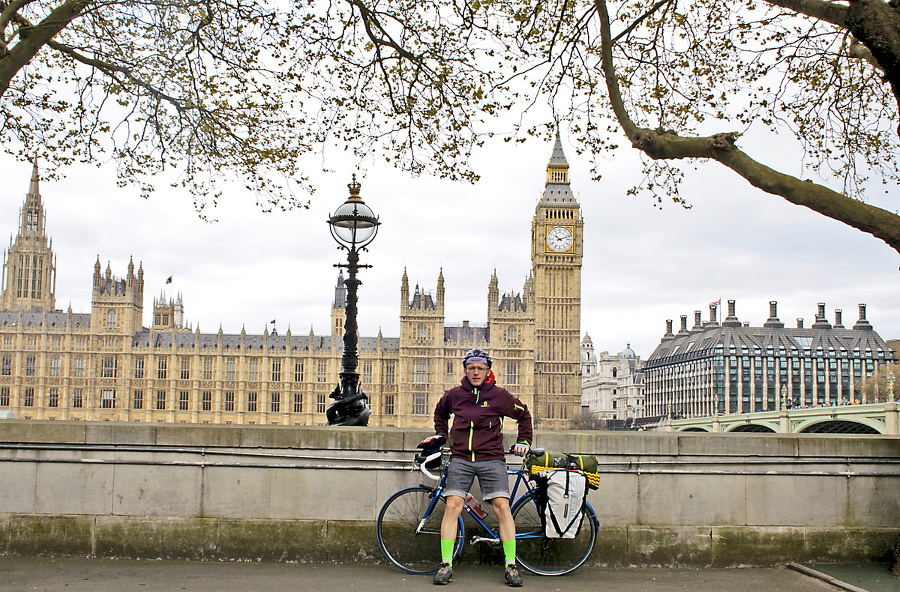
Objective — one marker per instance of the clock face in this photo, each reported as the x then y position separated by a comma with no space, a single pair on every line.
559,239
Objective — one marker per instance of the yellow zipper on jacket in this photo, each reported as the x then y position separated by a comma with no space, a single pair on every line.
472,427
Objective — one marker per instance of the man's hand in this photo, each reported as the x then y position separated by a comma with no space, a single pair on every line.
521,448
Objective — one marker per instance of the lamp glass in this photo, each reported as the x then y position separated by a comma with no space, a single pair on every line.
354,223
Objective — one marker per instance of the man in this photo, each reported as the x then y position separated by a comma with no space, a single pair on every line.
478,407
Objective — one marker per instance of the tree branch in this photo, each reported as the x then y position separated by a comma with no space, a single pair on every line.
32,39
836,14
666,145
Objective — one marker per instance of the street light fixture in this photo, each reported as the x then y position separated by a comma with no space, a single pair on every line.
354,226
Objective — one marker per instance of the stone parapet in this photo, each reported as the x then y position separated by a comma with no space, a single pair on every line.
311,494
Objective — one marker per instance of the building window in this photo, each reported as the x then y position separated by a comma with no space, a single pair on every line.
111,319
323,372
254,371
367,373
80,342
422,332
160,400
183,400
512,373
206,401
6,369
298,402
420,404
320,403
56,341
276,370
4,396
512,335
298,371
30,365
77,398
420,372
109,367
79,368
107,399
389,373
162,369
251,401
450,369
139,367
53,398
111,343
275,402
185,368
229,401
55,366
208,364
389,404
7,340
229,368
137,400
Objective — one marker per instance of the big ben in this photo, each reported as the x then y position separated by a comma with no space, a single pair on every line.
556,253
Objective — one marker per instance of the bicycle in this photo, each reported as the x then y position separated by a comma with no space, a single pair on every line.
409,528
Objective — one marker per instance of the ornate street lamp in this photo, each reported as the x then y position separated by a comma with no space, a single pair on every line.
353,225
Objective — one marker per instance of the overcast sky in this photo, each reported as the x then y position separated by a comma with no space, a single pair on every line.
642,265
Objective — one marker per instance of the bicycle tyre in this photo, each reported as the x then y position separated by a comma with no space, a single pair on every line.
551,557
413,552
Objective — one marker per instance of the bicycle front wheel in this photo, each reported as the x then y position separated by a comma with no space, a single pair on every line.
550,557
414,549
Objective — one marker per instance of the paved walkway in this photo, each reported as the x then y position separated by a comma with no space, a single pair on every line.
18,574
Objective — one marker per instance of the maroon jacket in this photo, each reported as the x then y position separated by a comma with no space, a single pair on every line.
477,432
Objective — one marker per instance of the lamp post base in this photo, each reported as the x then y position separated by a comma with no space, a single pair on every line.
351,410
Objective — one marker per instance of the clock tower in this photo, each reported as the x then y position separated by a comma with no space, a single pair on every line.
556,253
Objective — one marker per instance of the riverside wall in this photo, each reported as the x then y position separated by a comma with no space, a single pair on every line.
311,494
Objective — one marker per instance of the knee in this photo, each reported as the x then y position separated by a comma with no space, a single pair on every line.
501,507
454,504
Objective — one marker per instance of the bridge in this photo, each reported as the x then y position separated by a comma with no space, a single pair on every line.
872,418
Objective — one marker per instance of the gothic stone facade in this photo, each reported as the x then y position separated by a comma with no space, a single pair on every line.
105,365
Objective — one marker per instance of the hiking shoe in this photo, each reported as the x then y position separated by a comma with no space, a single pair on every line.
444,575
513,579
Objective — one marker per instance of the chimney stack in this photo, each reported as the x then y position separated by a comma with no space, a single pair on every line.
731,320
668,334
838,323
862,324
799,323
684,328
821,322
773,321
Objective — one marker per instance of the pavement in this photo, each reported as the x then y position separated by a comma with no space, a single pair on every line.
21,574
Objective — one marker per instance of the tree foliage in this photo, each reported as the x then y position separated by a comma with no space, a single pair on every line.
250,87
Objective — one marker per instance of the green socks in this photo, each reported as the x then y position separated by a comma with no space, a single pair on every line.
447,552
509,552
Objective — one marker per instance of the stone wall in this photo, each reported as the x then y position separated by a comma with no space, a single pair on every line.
312,494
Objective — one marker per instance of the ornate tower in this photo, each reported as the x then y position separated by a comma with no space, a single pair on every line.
117,305
556,253
29,267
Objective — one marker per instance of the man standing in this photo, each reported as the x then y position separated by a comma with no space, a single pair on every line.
478,406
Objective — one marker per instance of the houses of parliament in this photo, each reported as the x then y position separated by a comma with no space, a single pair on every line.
106,365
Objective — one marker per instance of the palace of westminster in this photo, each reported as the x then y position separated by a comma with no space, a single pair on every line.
106,365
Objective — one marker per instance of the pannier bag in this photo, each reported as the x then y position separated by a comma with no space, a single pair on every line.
582,462
545,461
566,495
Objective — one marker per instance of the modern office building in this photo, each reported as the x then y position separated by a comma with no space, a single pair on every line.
733,367
107,365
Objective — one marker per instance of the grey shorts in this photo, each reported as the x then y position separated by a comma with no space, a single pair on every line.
492,478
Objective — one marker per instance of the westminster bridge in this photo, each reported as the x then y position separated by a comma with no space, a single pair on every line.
872,418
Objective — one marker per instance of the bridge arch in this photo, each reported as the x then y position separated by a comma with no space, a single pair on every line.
838,426
694,429
754,428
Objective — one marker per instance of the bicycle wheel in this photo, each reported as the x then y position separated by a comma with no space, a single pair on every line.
550,557
414,550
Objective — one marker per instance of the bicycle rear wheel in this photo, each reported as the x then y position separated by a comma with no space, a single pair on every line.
414,550
550,557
